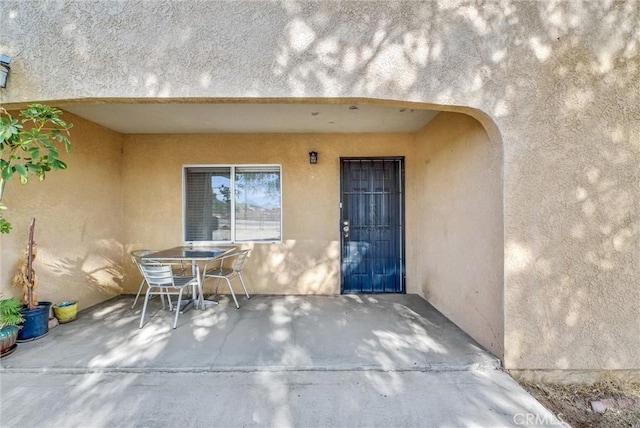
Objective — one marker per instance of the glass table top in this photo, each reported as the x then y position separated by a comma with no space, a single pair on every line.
190,253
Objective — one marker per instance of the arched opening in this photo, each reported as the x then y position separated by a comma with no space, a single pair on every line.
453,190
453,195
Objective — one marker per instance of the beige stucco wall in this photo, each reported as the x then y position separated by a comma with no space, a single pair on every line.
307,260
559,80
78,221
458,197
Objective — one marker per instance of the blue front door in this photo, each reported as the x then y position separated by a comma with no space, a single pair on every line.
372,225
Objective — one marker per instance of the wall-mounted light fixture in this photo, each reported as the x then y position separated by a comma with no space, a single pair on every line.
4,69
313,157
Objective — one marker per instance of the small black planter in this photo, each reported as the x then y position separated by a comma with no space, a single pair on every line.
36,322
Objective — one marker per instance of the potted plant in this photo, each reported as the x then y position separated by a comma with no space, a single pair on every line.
35,313
10,318
66,311
29,146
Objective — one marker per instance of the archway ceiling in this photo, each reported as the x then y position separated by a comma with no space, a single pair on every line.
179,118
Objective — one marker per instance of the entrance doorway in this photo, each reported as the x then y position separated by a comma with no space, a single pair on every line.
372,225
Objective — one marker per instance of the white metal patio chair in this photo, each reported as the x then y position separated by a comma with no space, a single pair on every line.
136,256
228,271
162,280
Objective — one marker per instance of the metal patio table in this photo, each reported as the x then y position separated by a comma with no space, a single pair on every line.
194,254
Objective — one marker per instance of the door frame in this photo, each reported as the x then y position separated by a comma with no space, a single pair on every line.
402,234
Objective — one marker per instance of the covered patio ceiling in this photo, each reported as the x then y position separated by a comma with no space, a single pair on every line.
205,118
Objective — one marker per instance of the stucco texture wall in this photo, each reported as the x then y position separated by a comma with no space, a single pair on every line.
558,81
78,215
459,227
308,259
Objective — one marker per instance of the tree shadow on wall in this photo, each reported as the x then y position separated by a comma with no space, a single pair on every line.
100,269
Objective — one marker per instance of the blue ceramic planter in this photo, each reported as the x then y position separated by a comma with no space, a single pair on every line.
36,322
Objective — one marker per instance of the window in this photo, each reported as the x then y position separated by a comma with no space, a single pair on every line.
232,203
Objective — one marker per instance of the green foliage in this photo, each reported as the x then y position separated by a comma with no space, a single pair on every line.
31,150
10,312
5,226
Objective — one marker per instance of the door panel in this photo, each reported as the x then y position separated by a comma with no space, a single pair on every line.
372,212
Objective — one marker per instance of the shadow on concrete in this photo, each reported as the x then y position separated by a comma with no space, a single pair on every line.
376,360
381,332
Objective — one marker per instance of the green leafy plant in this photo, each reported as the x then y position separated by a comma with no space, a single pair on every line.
10,312
29,146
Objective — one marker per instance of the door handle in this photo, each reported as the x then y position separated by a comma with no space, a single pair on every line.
345,229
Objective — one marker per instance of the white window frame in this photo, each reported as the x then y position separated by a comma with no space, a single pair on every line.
232,168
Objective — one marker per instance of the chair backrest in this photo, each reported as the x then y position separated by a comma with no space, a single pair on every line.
240,258
157,275
137,255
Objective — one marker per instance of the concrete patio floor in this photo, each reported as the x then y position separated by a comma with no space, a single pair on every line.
377,360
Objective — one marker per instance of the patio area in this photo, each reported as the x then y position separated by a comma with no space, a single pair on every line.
377,360
387,332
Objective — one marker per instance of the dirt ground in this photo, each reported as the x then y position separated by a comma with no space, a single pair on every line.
572,403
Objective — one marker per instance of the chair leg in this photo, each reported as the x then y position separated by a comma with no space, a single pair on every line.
144,307
175,320
162,297
137,295
167,295
243,287
217,286
201,295
195,297
232,293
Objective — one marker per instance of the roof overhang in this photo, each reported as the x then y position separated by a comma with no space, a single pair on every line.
204,118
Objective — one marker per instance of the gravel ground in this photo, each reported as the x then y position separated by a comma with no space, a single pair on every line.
608,403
